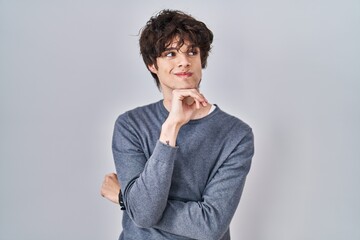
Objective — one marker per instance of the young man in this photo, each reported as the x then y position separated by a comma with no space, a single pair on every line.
181,162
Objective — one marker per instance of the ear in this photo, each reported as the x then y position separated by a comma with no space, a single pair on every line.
152,68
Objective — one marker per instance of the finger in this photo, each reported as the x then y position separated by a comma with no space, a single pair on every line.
114,176
110,175
200,104
197,104
190,96
205,102
201,98
193,93
189,100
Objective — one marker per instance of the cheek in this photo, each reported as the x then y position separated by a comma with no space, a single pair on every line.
166,68
198,67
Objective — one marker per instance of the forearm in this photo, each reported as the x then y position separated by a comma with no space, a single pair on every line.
153,185
146,195
205,220
169,132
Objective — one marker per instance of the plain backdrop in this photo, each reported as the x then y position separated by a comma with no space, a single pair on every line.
290,69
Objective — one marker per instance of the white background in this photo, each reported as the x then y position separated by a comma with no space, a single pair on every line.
290,69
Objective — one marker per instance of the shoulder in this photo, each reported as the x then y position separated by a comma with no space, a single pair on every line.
233,123
147,116
240,134
140,111
233,130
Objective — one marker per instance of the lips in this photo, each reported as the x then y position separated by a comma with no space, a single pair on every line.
184,74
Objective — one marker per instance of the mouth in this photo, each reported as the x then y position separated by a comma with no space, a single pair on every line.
184,74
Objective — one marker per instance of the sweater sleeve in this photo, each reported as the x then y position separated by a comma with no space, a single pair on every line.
145,193
210,218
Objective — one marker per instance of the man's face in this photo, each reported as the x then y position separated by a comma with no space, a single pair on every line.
178,68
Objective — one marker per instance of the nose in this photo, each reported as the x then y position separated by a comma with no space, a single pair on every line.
183,60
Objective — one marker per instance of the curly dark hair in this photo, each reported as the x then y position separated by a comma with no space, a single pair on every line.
162,28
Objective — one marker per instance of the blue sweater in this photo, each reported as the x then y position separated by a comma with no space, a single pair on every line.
186,192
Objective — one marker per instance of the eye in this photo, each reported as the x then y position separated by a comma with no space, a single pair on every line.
193,52
170,54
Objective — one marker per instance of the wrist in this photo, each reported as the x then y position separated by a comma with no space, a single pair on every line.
169,132
121,201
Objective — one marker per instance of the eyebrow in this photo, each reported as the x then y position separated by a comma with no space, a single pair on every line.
177,49
170,49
